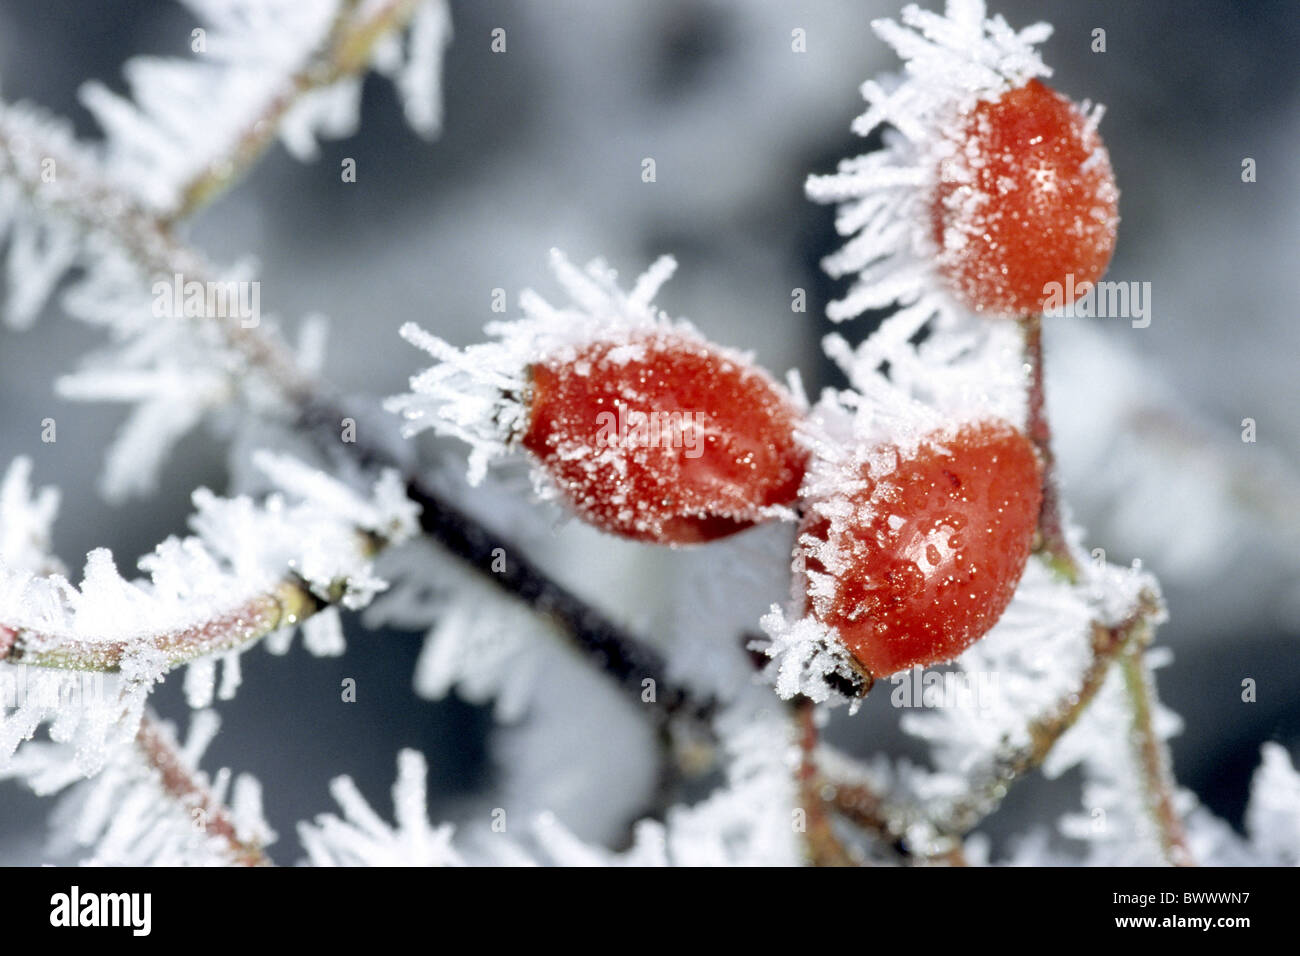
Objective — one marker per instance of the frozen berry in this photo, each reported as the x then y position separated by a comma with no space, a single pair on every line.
663,437
912,566
1026,200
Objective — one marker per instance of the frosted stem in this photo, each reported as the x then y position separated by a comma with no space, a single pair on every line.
610,648
97,208
1127,645
822,846
179,782
1051,529
345,52
1153,758
991,785
286,605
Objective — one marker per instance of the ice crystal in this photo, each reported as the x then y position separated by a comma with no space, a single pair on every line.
361,838
26,520
1273,816
747,821
485,648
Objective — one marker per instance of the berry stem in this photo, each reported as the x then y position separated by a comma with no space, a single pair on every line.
1127,644
822,846
1052,543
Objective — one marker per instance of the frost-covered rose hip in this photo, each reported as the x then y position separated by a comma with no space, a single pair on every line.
989,187
916,561
663,437
1026,200
643,426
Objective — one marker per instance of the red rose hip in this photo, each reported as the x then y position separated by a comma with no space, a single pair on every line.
1027,199
919,563
663,437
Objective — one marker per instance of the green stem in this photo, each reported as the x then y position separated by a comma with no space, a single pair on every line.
1153,758
287,604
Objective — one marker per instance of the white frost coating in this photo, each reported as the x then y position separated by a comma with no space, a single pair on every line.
1029,661
26,520
414,62
322,633
239,550
477,644
181,118
478,393
360,837
40,249
1273,814
388,512
805,657
124,818
183,115
746,822
951,62
1114,821
170,395
200,682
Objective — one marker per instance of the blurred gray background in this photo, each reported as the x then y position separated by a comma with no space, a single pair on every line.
542,147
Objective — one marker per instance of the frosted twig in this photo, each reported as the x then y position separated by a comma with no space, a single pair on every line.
1153,758
610,648
1152,755
1052,541
990,786
98,208
178,781
345,52
820,842
288,604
